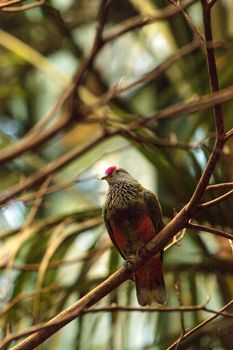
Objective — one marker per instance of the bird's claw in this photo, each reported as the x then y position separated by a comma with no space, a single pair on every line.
129,263
143,252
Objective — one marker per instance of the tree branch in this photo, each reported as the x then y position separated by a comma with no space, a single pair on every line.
113,308
156,244
32,140
19,297
49,169
116,279
213,76
119,308
139,21
219,124
229,134
178,109
200,325
170,112
7,5
221,186
216,200
216,231
33,267
161,68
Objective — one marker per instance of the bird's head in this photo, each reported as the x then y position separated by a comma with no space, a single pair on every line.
115,175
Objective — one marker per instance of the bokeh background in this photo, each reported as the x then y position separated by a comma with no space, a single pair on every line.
53,257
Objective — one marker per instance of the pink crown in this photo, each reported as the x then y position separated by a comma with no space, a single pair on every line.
110,170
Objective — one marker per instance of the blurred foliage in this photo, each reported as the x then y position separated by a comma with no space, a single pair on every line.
63,252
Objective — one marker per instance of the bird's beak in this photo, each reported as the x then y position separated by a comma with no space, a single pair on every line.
104,177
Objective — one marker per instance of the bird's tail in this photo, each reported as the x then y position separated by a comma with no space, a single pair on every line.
150,284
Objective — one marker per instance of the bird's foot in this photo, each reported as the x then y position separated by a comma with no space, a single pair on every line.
129,263
143,252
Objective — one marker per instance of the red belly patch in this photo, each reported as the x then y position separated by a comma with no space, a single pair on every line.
145,230
120,240
134,236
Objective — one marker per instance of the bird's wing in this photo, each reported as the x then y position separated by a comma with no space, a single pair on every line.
110,231
154,210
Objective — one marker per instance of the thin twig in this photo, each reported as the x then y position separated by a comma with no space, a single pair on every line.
37,203
179,109
219,123
139,21
66,184
120,308
24,295
10,8
153,74
200,325
176,239
189,20
49,169
220,186
174,111
229,134
182,322
213,230
212,68
110,308
33,140
216,200
33,267
8,3
158,71
154,246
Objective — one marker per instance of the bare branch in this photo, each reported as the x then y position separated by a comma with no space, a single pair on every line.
7,5
65,184
221,186
32,267
33,139
179,109
9,2
159,142
216,200
112,308
116,279
139,21
216,231
189,20
211,2
172,228
219,124
174,111
212,68
37,203
21,296
48,170
229,134
183,330
155,73
176,239
200,325
120,308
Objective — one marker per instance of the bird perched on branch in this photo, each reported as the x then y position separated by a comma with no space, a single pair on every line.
133,216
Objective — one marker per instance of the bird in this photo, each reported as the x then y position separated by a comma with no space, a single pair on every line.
133,216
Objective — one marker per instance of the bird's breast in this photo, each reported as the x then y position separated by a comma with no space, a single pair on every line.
132,228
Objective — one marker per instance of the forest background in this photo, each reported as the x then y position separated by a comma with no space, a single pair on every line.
142,84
